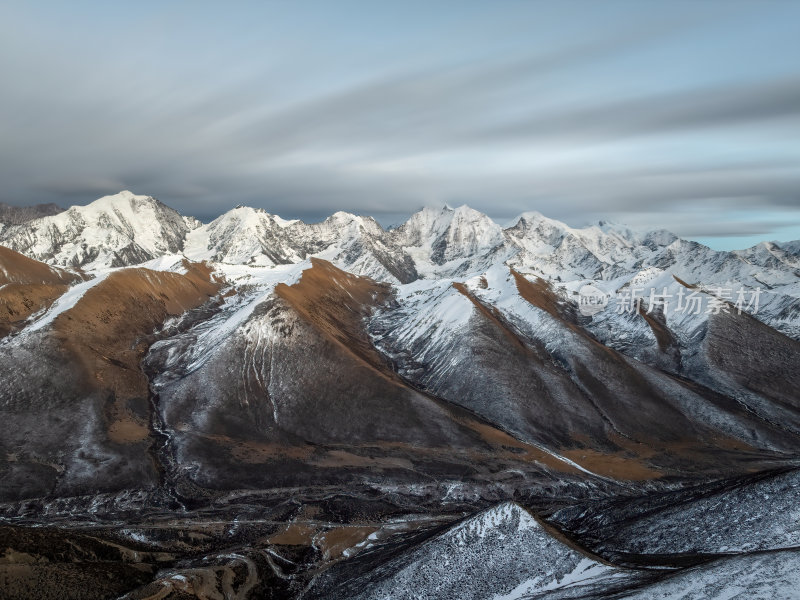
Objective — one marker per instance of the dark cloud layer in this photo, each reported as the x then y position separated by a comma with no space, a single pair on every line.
577,130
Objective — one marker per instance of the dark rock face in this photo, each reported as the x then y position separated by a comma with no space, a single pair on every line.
17,215
745,514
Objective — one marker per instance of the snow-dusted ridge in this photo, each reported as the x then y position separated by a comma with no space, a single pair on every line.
448,243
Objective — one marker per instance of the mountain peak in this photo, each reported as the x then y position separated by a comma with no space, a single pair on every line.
444,215
344,219
113,231
122,196
341,215
124,200
534,216
467,211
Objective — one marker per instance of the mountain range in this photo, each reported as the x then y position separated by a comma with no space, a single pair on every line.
257,407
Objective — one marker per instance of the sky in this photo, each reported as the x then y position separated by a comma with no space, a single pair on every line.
682,115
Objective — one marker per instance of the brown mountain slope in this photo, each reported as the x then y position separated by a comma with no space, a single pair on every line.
28,286
108,330
298,396
18,268
74,401
336,303
550,383
668,419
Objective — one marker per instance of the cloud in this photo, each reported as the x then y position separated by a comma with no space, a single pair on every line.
719,106
729,228
567,129
82,188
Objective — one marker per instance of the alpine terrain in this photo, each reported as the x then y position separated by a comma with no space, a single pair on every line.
257,407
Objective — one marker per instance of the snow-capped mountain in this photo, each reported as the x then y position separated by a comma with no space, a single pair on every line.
606,251
126,229
255,237
773,254
242,235
342,411
114,231
450,241
603,251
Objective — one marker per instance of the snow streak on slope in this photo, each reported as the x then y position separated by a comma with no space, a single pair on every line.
67,301
251,286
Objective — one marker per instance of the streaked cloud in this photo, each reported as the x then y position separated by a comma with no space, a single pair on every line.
677,114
